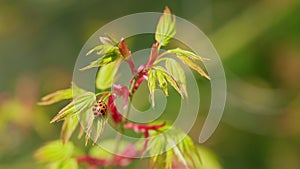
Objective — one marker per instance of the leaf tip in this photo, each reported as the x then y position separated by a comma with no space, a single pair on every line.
52,121
83,69
206,76
167,10
40,103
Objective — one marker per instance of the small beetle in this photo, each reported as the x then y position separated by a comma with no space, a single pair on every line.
99,108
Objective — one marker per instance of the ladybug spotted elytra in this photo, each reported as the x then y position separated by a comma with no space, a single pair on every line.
99,109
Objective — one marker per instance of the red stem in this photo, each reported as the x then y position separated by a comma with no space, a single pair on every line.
131,64
92,160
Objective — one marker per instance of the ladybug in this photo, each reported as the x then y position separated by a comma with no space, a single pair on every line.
99,109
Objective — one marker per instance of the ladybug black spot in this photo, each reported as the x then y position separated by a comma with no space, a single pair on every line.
99,108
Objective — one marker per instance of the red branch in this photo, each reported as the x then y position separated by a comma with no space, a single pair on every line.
92,160
144,129
122,160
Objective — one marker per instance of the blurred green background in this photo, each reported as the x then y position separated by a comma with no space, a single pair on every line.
258,42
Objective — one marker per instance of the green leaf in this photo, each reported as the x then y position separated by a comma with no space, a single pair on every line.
169,159
64,112
56,97
106,75
156,147
187,57
61,95
95,129
170,79
69,127
185,53
69,164
53,165
106,59
84,102
193,65
77,90
193,157
103,49
177,73
209,159
162,82
54,152
152,84
165,29
167,148
79,104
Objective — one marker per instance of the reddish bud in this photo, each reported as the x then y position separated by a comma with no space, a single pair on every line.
153,56
123,48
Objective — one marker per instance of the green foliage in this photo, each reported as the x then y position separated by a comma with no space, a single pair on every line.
167,150
185,53
170,79
106,59
56,97
54,151
162,82
79,104
68,128
188,58
69,164
61,95
165,29
152,84
106,75
57,155
177,73
209,159
168,147
94,127
103,49
169,158
194,66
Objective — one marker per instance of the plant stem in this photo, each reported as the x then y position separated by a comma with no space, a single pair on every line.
127,112
119,138
121,130
162,54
